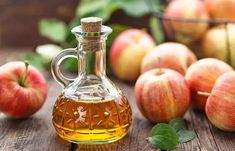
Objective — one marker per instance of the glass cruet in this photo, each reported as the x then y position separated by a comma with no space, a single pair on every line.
90,109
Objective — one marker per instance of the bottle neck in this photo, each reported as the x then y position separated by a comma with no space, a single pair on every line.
92,58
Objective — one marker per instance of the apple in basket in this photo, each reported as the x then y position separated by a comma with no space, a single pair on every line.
185,31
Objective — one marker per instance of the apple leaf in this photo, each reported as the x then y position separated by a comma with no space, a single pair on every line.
87,7
70,64
163,136
185,136
157,5
168,136
105,8
156,29
107,11
53,29
34,60
117,29
138,8
177,124
47,52
135,8
100,8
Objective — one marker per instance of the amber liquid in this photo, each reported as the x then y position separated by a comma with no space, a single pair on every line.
91,122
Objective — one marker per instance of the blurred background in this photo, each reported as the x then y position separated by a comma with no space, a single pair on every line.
205,27
19,19
30,25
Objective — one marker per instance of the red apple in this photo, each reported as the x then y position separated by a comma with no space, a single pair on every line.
23,89
220,105
201,77
218,42
186,32
128,51
165,55
221,8
162,95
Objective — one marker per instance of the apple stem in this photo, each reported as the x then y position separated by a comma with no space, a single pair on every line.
203,93
185,67
159,64
24,77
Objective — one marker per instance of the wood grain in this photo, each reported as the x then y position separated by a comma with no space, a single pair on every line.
37,133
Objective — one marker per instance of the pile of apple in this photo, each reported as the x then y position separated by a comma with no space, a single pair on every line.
215,40
170,79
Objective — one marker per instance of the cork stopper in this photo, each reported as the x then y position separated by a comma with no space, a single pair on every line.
91,24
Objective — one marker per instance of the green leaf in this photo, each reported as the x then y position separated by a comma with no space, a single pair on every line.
106,12
70,42
161,128
157,5
53,29
156,30
87,7
177,123
48,51
70,64
117,29
98,8
185,136
163,136
105,8
135,8
34,60
74,22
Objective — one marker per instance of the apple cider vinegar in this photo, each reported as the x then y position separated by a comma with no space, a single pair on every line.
90,109
91,121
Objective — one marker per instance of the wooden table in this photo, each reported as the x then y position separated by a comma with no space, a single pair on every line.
37,133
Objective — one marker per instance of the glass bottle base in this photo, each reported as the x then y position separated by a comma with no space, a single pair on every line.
92,136
92,142
91,122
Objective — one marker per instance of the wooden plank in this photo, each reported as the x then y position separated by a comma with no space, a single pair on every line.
202,130
37,133
224,140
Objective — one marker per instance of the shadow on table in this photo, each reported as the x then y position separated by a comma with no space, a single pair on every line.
16,124
111,146
218,135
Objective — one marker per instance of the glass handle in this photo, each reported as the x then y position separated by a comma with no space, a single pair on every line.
56,66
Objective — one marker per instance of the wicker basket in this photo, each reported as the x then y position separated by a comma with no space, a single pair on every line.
195,45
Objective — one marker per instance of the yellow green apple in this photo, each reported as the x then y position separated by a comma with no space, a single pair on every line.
127,52
219,42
